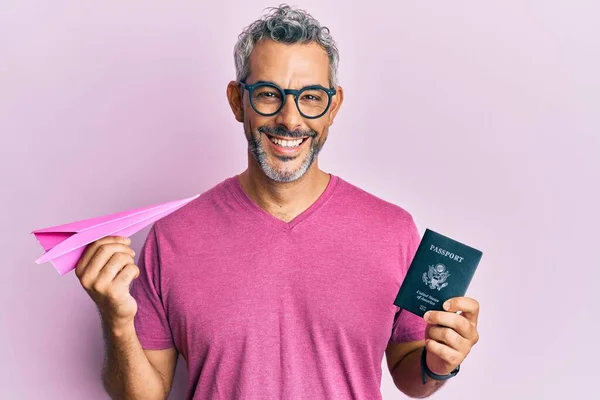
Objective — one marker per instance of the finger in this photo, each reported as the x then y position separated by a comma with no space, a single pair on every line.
101,258
93,247
450,338
112,267
468,306
457,322
126,275
446,353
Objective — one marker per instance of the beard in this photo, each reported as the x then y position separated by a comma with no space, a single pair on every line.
278,174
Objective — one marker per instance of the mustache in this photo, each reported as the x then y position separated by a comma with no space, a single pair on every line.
283,132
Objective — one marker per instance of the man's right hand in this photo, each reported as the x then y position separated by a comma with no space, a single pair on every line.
105,270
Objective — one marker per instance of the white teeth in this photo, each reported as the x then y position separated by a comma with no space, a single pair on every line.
286,143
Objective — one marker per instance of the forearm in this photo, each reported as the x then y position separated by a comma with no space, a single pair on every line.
407,377
127,373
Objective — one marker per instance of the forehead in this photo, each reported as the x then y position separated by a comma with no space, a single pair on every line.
289,65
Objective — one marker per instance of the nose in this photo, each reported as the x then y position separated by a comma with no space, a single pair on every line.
289,116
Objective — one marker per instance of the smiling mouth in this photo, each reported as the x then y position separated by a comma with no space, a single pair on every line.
287,143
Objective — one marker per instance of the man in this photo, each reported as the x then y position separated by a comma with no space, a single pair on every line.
277,283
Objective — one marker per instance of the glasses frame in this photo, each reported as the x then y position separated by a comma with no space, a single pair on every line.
284,93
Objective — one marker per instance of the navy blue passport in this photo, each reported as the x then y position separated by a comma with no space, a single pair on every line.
441,268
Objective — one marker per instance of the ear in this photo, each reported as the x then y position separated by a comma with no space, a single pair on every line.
235,98
336,103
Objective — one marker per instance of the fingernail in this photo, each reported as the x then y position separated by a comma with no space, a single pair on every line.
447,305
127,240
427,315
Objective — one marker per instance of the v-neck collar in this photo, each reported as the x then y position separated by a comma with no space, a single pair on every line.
236,187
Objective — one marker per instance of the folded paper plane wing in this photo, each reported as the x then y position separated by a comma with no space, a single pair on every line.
64,244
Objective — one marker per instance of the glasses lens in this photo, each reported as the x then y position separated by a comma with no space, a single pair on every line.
313,102
266,99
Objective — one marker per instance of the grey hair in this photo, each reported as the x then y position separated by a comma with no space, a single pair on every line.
287,25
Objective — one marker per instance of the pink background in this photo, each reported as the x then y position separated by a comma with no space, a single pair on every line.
482,118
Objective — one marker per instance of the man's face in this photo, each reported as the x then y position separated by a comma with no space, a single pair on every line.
290,67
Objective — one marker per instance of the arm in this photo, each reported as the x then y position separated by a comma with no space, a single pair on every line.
130,372
403,361
449,338
106,270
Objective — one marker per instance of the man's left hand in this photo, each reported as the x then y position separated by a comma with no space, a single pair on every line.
450,336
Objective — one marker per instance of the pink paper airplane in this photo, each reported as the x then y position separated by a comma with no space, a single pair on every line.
65,244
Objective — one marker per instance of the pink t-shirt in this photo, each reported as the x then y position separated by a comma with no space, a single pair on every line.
265,309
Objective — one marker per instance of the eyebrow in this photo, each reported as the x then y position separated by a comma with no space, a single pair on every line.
273,83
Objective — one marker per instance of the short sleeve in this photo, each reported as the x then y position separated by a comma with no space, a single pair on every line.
150,322
407,326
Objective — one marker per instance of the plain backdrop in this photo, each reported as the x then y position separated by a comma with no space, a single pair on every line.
481,118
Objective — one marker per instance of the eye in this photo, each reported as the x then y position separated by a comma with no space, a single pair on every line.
267,94
311,97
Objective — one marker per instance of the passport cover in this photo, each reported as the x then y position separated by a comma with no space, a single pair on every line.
442,268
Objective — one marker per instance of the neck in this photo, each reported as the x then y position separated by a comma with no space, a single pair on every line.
284,200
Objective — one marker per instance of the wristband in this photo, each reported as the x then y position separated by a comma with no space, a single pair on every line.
426,371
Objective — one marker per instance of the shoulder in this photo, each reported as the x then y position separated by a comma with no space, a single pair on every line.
373,206
198,211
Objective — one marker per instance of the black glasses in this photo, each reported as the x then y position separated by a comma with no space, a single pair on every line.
268,99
